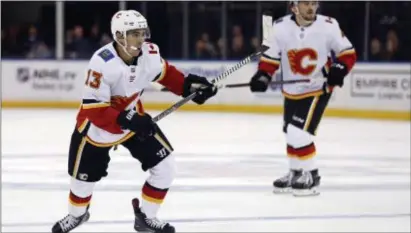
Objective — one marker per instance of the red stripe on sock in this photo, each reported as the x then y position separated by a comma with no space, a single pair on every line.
79,200
154,192
302,151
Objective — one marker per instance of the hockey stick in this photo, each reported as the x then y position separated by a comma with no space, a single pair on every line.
281,82
248,84
222,76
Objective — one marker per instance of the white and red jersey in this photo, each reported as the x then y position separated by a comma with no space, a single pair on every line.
112,86
305,53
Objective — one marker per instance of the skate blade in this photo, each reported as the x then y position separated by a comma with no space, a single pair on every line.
282,190
305,192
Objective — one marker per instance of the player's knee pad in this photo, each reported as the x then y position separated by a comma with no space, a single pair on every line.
297,137
162,175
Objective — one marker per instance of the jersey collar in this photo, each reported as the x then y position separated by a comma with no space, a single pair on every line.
295,21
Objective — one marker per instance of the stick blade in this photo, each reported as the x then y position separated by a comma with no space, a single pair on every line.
267,24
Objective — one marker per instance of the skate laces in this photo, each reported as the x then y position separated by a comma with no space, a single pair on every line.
68,222
306,178
287,178
155,223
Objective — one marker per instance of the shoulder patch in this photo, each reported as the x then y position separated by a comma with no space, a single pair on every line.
106,55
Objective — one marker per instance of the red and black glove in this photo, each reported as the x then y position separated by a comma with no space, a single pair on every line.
194,83
337,72
260,81
142,125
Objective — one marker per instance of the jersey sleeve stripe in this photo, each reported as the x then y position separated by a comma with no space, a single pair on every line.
270,58
91,103
270,61
346,52
348,57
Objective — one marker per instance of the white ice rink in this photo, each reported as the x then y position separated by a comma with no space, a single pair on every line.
227,163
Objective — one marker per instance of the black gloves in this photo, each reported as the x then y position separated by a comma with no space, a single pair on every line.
142,125
260,81
336,74
195,83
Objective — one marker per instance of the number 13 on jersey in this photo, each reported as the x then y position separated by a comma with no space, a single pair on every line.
95,79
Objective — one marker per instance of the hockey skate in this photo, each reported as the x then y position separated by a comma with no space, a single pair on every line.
306,184
283,184
70,222
144,224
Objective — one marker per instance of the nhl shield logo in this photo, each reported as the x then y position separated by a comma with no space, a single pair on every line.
23,74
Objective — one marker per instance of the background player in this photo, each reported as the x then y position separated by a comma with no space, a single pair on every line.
302,43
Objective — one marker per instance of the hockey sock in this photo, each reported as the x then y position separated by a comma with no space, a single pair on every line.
152,198
302,157
80,196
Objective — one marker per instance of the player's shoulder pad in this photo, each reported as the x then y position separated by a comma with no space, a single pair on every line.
106,54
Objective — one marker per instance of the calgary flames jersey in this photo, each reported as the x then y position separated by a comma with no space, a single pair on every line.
112,86
305,53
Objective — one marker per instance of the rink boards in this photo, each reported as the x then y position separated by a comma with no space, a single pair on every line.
371,90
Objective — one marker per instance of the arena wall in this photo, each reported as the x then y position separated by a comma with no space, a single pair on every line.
380,91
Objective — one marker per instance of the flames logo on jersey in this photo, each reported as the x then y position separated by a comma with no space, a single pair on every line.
121,102
296,57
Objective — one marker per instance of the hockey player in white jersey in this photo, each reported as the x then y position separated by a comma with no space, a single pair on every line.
301,43
112,114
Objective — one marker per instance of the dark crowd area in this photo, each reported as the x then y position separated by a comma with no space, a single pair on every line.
380,31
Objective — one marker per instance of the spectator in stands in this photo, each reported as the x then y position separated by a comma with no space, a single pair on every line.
204,49
201,51
80,46
39,50
255,44
68,45
376,53
208,45
32,39
238,50
95,37
34,46
221,45
105,39
391,46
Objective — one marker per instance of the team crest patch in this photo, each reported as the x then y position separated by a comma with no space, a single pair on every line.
106,55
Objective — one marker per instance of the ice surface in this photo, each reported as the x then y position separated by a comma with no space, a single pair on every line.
226,165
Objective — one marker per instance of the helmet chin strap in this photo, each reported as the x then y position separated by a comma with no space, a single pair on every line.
124,47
